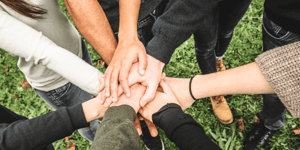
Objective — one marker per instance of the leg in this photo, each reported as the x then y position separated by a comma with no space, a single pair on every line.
272,114
230,13
69,95
205,42
274,36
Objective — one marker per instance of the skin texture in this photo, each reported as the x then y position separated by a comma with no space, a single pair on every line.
247,79
129,50
92,23
160,100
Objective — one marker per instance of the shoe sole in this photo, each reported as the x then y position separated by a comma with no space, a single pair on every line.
225,122
162,143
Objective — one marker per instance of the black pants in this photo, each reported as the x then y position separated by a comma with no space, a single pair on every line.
7,117
214,35
273,112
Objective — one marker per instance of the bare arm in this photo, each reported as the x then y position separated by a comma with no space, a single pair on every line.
247,79
129,50
92,23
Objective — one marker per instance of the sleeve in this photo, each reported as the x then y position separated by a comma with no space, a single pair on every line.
117,131
281,69
179,21
19,39
182,129
41,131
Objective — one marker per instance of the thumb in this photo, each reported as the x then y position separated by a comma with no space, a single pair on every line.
165,87
149,95
101,86
142,63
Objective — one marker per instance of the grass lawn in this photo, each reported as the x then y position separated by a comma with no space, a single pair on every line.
245,46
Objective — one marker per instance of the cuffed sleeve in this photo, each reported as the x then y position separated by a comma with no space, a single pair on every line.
117,131
280,67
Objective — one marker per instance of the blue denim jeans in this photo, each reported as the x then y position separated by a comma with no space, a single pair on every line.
273,112
69,95
214,35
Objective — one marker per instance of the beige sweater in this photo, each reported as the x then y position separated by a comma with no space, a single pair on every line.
281,68
49,49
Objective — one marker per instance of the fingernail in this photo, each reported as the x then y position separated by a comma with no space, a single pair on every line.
128,95
154,132
114,99
106,94
105,105
143,72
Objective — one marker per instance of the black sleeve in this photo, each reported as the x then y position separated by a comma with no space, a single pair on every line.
182,129
41,131
179,21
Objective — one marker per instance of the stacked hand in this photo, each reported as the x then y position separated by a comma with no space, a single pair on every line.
151,80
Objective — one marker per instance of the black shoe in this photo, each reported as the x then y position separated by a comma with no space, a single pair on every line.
259,136
151,143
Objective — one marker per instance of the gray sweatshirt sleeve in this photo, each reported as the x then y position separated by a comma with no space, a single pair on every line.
116,131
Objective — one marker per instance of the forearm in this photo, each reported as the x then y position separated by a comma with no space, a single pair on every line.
116,130
21,40
43,130
129,11
178,22
182,129
247,79
93,24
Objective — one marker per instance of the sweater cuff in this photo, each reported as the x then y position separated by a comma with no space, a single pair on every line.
161,49
77,116
170,117
280,67
122,112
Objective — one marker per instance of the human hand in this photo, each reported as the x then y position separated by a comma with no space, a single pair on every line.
92,109
133,101
151,126
151,80
180,87
128,51
161,99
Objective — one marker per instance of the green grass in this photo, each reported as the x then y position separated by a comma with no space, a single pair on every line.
245,46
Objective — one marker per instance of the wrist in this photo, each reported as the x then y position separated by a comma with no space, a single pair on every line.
128,35
155,62
93,110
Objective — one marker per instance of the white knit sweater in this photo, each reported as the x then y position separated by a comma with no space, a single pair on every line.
49,49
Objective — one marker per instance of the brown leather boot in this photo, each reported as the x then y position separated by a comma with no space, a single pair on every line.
219,104
220,65
221,109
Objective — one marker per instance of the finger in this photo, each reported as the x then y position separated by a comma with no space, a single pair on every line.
142,63
149,95
152,128
108,102
101,86
163,75
124,77
114,82
102,98
107,81
165,87
131,80
137,125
